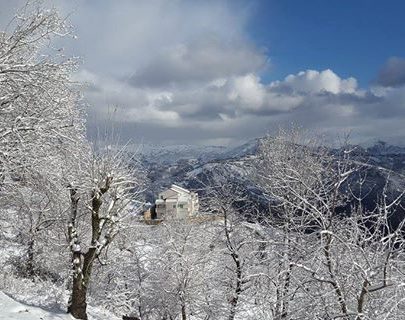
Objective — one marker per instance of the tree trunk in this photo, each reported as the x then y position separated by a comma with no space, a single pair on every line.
183,312
333,282
83,263
78,305
77,301
238,287
238,269
30,259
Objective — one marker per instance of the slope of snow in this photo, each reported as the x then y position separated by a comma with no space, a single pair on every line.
14,310
11,309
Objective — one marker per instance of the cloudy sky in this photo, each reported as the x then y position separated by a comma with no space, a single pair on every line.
220,72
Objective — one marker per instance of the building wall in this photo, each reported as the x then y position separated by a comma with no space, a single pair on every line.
172,204
183,210
171,209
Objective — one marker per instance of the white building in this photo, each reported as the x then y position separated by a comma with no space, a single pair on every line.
176,203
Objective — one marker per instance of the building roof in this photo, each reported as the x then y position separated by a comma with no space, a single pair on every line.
179,189
180,195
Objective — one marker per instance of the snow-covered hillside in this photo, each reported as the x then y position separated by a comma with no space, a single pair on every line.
11,309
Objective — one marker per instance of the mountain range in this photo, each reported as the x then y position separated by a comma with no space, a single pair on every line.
196,168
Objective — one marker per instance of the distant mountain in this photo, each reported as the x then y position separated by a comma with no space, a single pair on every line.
244,150
189,166
387,156
169,154
383,148
196,167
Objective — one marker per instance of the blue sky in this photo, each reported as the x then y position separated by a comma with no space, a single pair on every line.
351,37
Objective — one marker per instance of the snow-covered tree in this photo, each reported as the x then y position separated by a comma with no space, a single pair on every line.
101,198
40,122
39,107
48,170
337,259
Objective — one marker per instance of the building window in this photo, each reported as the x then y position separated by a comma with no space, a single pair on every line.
180,206
174,206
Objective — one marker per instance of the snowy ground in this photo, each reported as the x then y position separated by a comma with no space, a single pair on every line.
10,309
26,297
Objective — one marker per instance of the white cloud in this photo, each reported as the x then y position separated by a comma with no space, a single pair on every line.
247,91
312,81
237,107
124,37
186,71
203,59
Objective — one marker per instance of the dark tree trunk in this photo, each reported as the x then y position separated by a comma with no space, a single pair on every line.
183,312
77,301
83,262
130,318
238,269
78,305
30,259
238,286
